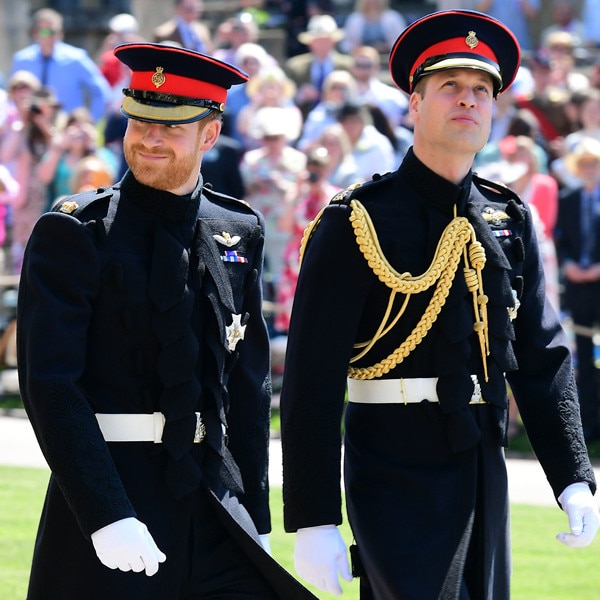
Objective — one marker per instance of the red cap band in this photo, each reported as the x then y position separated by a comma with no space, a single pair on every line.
454,45
177,85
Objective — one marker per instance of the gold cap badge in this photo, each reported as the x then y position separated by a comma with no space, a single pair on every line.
471,40
158,78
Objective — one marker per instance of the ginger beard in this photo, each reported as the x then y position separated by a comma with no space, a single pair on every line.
168,174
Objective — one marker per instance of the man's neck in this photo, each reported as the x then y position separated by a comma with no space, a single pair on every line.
450,166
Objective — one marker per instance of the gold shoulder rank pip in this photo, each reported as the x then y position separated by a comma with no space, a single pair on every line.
68,207
341,196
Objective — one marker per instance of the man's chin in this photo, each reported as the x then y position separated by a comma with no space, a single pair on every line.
152,179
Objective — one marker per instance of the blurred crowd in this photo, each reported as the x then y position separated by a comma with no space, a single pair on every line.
314,121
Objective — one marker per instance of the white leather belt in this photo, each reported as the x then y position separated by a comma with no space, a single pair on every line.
126,427
401,391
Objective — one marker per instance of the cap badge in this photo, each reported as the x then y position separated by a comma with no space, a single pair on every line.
158,78
471,40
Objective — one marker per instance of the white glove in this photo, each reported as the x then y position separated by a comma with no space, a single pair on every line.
265,543
127,545
581,508
320,556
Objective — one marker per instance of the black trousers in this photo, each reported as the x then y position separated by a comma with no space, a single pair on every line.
213,566
428,523
203,561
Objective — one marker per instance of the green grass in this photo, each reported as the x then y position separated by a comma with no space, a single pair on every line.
543,569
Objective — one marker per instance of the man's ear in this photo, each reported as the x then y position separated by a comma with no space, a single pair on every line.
210,134
413,104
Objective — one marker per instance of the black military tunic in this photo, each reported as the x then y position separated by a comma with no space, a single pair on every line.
134,300
426,483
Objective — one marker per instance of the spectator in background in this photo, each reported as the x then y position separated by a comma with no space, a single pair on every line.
270,174
590,15
299,14
185,27
578,247
20,88
310,69
314,193
24,146
551,105
372,150
588,121
372,23
564,19
68,71
561,46
515,14
540,191
9,193
78,139
122,29
342,169
251,58
232,33
269,87
339,87
371,90
91,173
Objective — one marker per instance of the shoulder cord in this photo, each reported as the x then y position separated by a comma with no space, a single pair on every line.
452,245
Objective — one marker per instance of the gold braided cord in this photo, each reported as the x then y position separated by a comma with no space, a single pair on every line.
458,229
442,270
308,231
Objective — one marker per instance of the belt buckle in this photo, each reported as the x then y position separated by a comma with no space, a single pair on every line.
476,398
200,432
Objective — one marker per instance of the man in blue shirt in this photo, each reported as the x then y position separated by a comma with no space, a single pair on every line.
67,70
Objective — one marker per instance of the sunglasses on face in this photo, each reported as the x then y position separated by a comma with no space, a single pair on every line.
46,32
20,86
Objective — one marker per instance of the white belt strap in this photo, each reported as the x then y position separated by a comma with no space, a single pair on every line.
132,427
401,391
127,427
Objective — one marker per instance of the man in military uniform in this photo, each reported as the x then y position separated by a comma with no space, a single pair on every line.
144,363
421,290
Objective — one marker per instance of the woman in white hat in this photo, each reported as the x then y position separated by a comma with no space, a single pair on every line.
269,87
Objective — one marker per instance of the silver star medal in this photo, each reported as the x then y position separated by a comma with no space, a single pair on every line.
512,310
235,332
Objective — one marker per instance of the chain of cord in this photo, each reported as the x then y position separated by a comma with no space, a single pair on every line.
442,270
474,282
379,334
